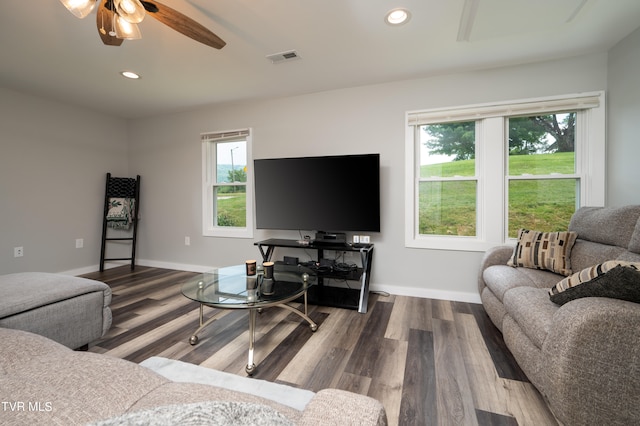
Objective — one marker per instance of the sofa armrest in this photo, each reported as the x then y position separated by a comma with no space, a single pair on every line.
594,362
498,255
338,407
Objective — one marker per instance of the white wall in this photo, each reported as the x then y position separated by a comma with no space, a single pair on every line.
53,162
166,152
52,165
624,122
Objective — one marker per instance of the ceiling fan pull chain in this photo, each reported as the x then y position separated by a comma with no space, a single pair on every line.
112,33
102,30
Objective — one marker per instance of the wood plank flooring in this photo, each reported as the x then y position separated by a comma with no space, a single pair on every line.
430,362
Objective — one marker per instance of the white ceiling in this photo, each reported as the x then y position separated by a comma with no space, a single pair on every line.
47,51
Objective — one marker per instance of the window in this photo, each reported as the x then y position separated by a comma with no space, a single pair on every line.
477,174
227,189
543,183
448,180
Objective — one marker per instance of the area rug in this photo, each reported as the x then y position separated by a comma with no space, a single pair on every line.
180,371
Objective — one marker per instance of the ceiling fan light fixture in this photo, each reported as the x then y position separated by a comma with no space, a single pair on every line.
80,8
131,11
126,30
397,17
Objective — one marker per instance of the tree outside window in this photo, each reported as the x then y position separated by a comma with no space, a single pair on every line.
542,182
448,183
475,174
541,150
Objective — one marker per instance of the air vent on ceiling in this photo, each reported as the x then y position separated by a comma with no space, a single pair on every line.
287,56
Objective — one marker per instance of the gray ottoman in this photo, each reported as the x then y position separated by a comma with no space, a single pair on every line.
70,310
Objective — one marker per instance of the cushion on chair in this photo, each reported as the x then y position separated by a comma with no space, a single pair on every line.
614,279
212,413
544,250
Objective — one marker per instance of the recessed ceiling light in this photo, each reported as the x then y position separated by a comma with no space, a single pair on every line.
397,17
130,74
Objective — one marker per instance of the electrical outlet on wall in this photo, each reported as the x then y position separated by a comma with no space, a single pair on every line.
18,251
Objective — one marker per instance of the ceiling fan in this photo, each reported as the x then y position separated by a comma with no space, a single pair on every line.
117,20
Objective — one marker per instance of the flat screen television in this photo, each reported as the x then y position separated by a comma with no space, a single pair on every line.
325,194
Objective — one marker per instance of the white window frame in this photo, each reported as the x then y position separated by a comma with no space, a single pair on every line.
209,142
491,163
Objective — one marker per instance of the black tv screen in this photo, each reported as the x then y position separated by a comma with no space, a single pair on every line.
329,193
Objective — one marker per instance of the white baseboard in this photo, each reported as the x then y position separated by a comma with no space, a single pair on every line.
81,271
141,262
176,266
427,293
93,268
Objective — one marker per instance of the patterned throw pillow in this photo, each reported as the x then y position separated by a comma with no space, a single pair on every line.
210,413
544,250
614,279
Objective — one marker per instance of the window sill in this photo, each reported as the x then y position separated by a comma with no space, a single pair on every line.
450,243
228,233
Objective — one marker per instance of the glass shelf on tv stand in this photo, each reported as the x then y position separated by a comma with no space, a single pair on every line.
326,295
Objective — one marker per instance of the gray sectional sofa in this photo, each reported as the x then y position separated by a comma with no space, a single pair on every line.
584,355
71,310
43,382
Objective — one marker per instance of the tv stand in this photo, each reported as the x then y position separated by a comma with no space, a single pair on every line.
330,238
327,295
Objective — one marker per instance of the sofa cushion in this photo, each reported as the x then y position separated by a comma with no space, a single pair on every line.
24,291
493,307
501,278
334,407
544,250
607,225
532,310
614,279
628,256
634,243
529,357
73,382
73,322
585,254
26,348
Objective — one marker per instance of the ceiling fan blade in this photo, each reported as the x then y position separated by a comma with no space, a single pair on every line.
183,24
104,21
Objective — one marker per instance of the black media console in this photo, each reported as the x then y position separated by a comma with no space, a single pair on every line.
325,295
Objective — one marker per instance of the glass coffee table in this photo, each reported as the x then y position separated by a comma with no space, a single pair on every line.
231,288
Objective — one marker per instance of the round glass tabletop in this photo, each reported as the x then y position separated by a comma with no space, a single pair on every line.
231,288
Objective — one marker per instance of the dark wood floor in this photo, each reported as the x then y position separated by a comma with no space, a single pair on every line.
430,362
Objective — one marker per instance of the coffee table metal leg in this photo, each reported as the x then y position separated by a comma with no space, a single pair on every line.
251,366
312,324
194,337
